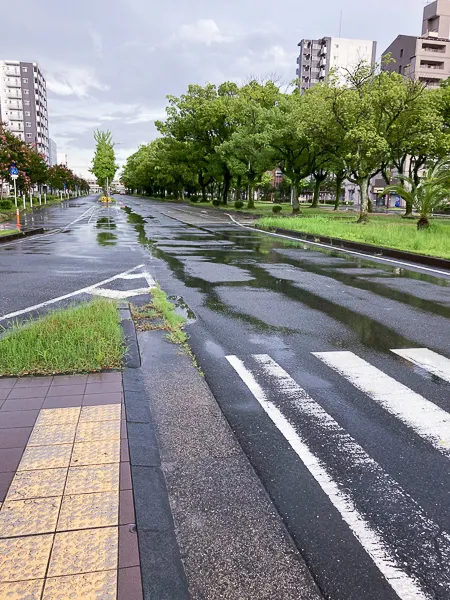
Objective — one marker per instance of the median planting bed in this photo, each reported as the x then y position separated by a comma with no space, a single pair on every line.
387,231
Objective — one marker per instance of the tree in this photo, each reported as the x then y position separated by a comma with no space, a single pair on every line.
432,191
104,163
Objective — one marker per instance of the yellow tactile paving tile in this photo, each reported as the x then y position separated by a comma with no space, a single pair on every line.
97,478
24,558
29,517
93,431
87,511
89,586
58,416
22,590
84,552
50,435
45,457
37,484
106,412
95,453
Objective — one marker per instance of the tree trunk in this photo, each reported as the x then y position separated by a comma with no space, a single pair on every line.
294,200
203,187
423,222
226,187
251,197
364,192
317,185
237,196
338,191
369,204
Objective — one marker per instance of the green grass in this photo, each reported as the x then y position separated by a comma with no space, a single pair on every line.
382,230
160,314
7,231
79,339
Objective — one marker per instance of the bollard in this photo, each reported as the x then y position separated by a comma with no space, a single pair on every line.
31,200
18,219
45,197
40,198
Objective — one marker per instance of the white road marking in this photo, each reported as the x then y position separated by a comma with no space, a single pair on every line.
119,294
428,360
425,418
329,247
405,586
86,290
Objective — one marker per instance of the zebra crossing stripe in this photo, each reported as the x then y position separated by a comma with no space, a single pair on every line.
428,360
425,418
405,586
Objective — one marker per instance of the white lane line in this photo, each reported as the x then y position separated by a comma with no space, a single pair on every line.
404,586
425,418
119,294
428,360
85,290
354,252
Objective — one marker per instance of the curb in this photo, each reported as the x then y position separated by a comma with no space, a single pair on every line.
377,251
162,569
20,235
132,358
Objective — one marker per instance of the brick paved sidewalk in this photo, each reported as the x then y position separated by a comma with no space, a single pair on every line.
66,504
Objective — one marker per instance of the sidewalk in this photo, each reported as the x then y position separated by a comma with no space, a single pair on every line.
67,515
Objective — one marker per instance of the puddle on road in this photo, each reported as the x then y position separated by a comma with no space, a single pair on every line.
250,251
106,239
182,309
106,223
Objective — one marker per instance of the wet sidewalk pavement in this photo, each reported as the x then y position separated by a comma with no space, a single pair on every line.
66,505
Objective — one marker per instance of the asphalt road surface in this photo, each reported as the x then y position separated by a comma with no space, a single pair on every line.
333,370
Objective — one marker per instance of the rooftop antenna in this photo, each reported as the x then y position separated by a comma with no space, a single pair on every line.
340,23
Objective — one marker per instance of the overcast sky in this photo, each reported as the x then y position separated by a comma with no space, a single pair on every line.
110,64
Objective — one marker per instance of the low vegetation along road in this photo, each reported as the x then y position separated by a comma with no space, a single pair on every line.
332,369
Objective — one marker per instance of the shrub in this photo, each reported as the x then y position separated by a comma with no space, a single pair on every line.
276,208
238,204
6,204
194,199
216,202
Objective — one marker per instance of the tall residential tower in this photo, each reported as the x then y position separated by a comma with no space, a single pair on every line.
318,57
23,103
426,58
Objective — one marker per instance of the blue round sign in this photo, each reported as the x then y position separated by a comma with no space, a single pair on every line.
13,170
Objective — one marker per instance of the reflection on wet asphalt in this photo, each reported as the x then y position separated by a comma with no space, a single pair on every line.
248,295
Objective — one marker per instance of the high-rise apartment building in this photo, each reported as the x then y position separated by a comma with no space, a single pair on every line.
318,57
426,58
23,103
53,153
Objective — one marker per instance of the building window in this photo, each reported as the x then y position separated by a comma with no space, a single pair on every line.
25,79
401,53
27,113
26,92
27,124
29,136
24,69
26,102
400,69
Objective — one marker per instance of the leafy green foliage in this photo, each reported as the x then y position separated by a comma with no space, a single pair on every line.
104,162
276,209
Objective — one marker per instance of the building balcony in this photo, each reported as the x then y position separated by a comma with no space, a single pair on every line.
14,93
15,116
13,82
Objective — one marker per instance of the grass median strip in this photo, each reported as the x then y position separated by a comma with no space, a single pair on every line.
7,231
386,231
79,339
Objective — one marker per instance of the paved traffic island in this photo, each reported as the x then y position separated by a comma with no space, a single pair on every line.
67,524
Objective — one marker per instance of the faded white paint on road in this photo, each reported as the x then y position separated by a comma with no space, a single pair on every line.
428,360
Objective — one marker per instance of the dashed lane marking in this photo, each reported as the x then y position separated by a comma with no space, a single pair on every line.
428,360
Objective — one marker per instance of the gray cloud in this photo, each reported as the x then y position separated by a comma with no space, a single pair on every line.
110,65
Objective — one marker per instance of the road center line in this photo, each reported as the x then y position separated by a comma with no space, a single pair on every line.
424,417
404,586
71,295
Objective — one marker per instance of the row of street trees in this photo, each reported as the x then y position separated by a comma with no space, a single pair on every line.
217,139
32,167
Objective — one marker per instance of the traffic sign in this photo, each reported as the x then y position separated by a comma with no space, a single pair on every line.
14,177
13,170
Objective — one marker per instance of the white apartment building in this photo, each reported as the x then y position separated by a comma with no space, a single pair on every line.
23,103
318,57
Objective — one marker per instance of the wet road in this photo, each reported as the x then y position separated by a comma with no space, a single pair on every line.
351,439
